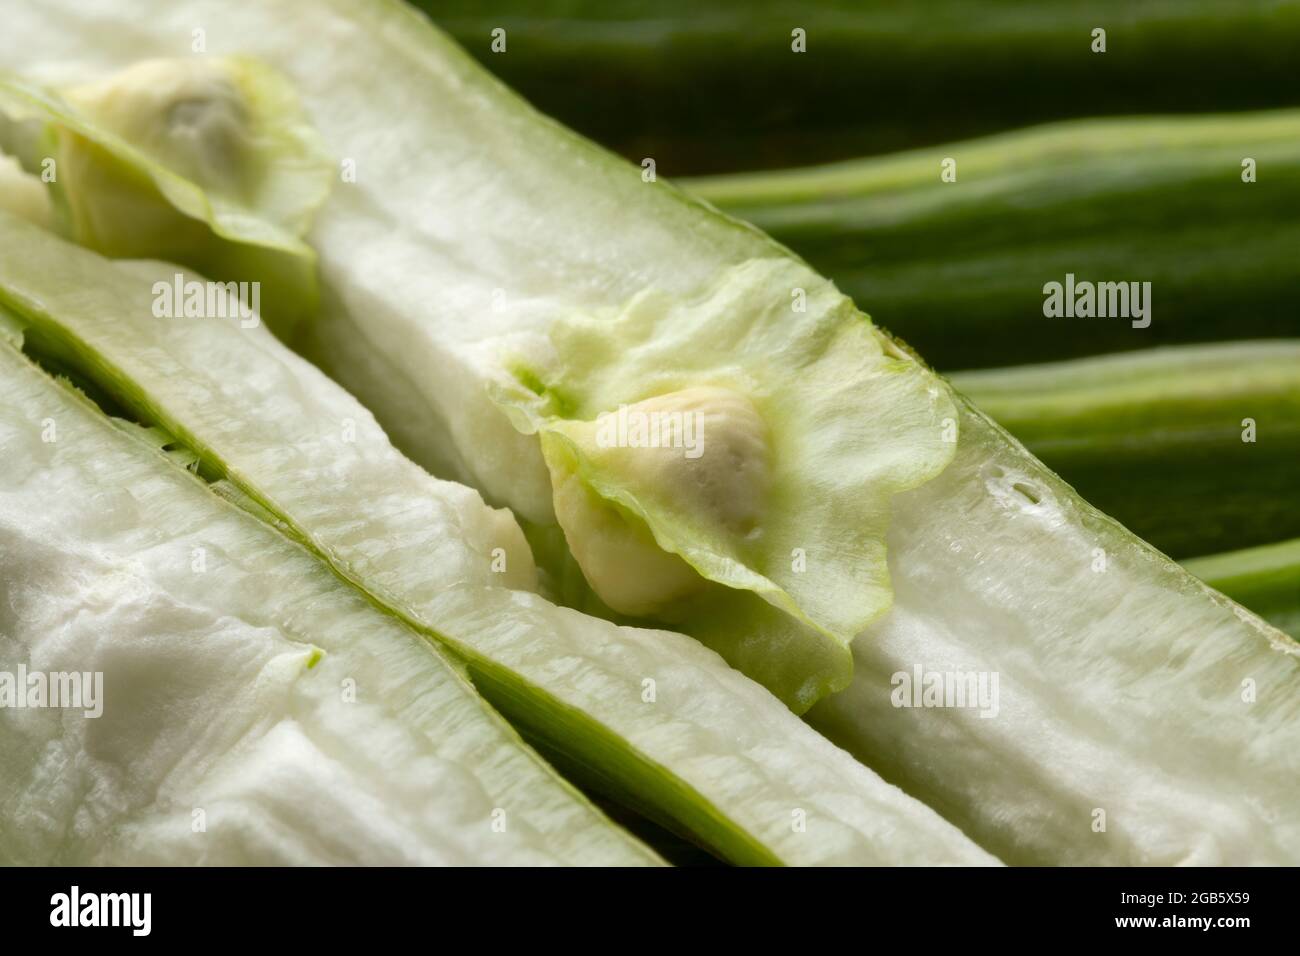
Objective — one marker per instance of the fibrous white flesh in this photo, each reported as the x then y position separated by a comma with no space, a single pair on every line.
462,192
1132,697
228,654
652,713
296,442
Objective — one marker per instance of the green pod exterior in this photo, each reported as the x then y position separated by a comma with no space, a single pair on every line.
958,269
715,88
1194,448
1265,579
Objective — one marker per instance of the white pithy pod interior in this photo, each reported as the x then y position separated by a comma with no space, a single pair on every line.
1139,717
656,715
240,704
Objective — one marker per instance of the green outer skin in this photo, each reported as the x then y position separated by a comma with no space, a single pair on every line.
1265,579
586,752
715,87
1154,438
958,268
